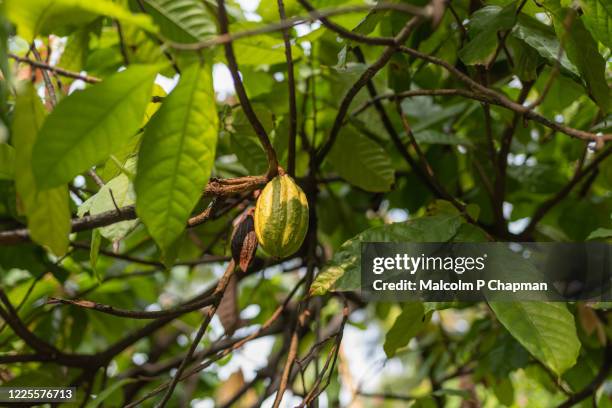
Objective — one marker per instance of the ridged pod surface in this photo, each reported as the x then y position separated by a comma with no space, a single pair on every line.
281,217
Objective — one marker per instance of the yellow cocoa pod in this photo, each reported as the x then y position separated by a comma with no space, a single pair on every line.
281,217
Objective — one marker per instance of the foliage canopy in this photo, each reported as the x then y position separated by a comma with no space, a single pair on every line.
135,135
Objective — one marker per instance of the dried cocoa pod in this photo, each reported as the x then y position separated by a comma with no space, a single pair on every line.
244,241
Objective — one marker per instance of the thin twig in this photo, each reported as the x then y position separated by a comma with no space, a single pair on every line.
217,296
549,204
52,97
57,70
292,94
360,83
293,21
242,95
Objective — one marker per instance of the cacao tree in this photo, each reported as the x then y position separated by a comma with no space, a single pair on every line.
185,186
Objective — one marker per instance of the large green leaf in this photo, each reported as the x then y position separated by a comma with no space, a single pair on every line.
483,28
546,330
176,157
34,17
7,162
361,161
343,272
598,19
583,52
407,324
47,211
88,126
543,39
183,21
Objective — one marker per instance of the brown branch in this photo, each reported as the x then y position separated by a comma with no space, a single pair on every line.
216,300
502,159
592,387
418,92
315,14
497,98
292,97
133,314
242,95
224,353
122,46
332,357
47,80
360,83
549,204
388,125
296,20
215,187
57,70
291,356
12,319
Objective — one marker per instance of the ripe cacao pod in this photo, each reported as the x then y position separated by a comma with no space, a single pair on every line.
281,217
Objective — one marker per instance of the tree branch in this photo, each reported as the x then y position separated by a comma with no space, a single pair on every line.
292,96
496,98
361,82
215,187
293,21
592,387
57,70
549,204
216,300
242,95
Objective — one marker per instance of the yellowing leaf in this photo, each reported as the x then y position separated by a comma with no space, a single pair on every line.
47,211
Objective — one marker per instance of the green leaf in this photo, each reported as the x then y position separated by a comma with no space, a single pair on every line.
526,59
41,17
249,153
75,52
361,161
7,161
406,326
244,140
88,126
600,233
546,330
108,391
543,39
504,391
47,211
484,26
583,52
117,191
176,157
598,19
261,49
184,21
343,272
